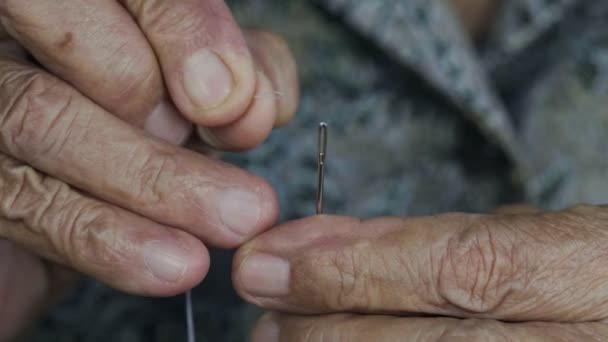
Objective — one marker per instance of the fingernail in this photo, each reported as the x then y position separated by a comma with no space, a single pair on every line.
166,123
266,330
264,275
207,80
165,261
240,210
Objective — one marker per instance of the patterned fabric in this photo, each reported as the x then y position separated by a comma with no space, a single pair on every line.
426,37
523,22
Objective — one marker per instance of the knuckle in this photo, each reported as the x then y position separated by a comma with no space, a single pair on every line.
477,269
27,196
136,81
343,270
90,236
71,227
351,283
12,181
152,171
38,117
50,197
189,19
164,19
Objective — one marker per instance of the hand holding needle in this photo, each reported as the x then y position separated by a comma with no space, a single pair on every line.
322,143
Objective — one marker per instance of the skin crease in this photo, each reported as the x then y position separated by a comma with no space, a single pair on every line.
37,203
508,267
103,52
195,19
82,185
570,287
519,265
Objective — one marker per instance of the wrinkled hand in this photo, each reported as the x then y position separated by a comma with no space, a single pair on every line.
84,181
118,52
450,277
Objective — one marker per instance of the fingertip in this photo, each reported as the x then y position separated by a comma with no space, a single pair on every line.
270,209
272,54
245,213
216,86
252,128
174,266
164,122
237,260
198,264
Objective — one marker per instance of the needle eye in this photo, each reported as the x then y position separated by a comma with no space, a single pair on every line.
322,142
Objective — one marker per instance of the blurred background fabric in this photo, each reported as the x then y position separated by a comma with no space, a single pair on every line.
422,120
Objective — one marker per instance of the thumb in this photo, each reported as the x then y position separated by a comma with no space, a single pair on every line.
203,55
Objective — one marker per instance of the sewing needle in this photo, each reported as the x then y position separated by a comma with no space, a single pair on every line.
322,142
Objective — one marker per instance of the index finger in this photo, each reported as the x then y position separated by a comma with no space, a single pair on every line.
52,127
204,58
98,48
547,266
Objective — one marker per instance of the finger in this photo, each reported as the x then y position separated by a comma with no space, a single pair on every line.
23,287
119,248
275,100
548,266
286,328
250,130
98,47
203,55
273,57
50,126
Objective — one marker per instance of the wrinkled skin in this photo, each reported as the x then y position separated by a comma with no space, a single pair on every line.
442,278
516,275
91,178
92,175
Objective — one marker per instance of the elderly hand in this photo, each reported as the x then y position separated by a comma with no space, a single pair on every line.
84,180
503,277
117,53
